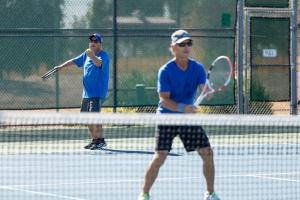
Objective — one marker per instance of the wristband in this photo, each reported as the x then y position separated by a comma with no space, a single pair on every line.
180,107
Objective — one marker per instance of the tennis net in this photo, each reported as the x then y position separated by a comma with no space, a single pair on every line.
42,157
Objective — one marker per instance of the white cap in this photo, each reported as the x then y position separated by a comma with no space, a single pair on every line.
179,36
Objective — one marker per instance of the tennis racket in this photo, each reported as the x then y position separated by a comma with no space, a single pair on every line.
219,76
49,73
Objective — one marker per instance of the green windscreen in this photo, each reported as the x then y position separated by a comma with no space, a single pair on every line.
267,3
270,59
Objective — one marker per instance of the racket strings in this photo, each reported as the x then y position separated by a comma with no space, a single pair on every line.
219,74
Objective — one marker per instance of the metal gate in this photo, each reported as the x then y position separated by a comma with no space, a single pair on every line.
266,49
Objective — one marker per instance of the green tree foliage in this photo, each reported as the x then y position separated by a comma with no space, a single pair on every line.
100,16
30,14
25,48
204,14
101,12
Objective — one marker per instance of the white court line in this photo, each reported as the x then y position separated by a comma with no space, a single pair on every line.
219,156
271,145
39,193
76,182
252,157
274,178
279,173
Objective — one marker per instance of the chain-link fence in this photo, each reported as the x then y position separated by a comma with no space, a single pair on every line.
48,33
37,35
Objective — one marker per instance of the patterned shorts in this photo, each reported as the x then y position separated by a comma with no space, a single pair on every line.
91,104
192,137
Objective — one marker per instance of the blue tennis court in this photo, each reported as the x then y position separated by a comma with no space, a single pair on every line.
241,173
42,157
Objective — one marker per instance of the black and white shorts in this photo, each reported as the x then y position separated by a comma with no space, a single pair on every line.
91,104
192,137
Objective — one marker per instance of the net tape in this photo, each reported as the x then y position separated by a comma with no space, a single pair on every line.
40,118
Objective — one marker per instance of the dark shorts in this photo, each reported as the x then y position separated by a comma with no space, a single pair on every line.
91,104
192,137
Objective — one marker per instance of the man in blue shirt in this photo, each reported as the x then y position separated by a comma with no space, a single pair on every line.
178,81
95,65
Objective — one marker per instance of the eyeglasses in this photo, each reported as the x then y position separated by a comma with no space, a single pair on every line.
94,41
183,44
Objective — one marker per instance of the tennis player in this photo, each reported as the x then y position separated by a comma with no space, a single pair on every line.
178,81
95,65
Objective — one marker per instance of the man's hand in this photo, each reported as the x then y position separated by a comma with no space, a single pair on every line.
96,60
89,53
57,68
190,109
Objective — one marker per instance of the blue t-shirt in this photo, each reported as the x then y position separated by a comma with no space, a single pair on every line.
181,84
95,79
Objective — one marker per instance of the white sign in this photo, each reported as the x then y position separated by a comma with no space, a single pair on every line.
270,53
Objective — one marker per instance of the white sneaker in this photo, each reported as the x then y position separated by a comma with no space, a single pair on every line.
212,196
144,196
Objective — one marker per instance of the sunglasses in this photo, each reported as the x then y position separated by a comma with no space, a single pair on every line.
183,44
94,41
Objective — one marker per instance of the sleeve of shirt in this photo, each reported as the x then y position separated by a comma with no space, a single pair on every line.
163,83
105,61
79,60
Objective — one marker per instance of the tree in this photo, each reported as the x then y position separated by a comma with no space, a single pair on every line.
26,49
101,11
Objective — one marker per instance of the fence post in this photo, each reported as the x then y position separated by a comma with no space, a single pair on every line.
293,58
115,57
239,57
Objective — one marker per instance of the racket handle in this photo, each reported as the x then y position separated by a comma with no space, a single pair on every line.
199,99
50,72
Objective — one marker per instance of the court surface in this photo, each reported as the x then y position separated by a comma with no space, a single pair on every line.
243,172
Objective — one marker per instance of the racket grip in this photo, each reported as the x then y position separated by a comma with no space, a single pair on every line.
199,100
